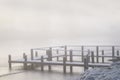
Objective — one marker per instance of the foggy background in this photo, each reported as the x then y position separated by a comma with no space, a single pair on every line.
26,24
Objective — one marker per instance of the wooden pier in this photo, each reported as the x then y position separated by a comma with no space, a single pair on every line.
87,56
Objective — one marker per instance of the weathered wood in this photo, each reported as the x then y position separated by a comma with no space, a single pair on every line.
25,61
92,56
65,49
97,54
42,66
49,53
113,51
88,56
64,64
82,53
9,61
71,60
102,56
32,57
85,63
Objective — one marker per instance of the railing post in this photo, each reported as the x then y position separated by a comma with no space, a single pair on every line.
57,55
42,62
64,64
65,49
82,53
32,57
113,51
25,61
102,56
88,56
97,54
9,61
71,60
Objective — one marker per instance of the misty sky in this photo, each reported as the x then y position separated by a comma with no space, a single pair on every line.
35,21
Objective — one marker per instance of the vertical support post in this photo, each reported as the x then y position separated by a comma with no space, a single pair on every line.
36,54
9,61
66,52
57,54
32,57
88,56
113,51
82,53
42,66
102,56
49,53
71,60
25,61
64,64
85,63
118,54
92,57
97,54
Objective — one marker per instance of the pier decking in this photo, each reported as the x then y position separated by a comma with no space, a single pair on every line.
81,56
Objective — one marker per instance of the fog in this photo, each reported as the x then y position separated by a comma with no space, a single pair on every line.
35,23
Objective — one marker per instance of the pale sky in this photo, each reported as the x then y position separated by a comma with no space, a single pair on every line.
39,20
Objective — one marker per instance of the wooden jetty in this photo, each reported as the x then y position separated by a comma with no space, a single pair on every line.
89,56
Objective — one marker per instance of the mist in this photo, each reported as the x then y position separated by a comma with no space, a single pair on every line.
36,23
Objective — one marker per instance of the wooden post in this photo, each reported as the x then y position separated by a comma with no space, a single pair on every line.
49,53
71,60
64,64
97,54
36,54
102,56
85,63
82,53
57,54
65,49
32,57
113,51
25,61
42,62
92,57
88,55
9,61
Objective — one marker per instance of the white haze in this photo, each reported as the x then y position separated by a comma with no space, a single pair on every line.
27,24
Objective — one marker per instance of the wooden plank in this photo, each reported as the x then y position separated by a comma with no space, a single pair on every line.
61,63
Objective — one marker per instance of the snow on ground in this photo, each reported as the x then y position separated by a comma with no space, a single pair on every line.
106,73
